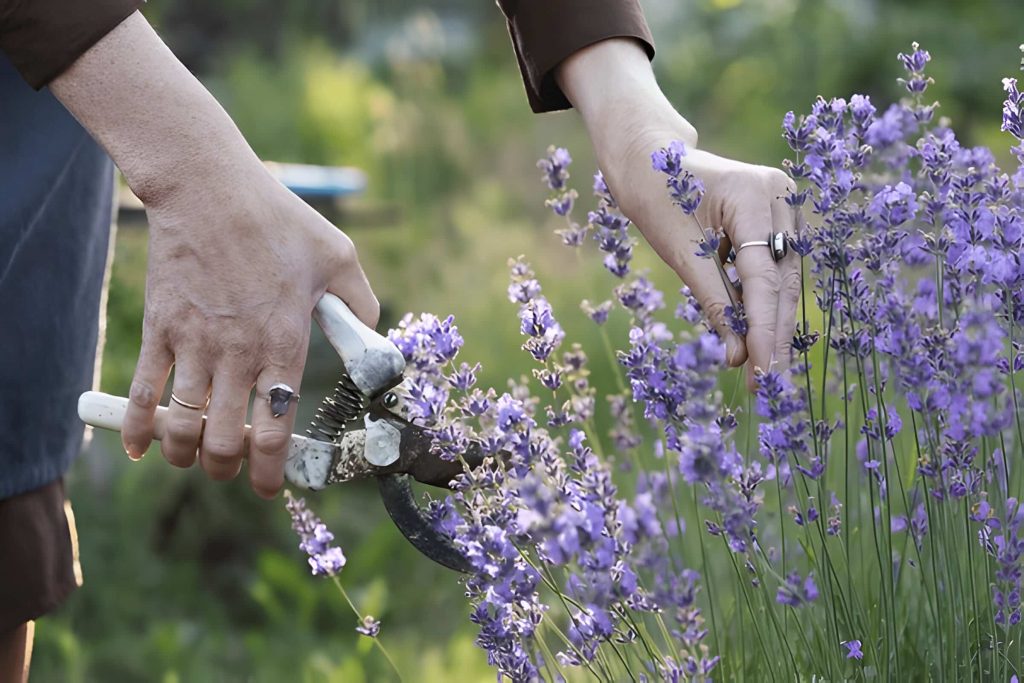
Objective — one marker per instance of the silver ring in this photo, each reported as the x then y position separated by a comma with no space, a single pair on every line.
280,397
778,242
186,404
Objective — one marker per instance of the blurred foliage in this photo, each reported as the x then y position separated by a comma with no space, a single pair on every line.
192,581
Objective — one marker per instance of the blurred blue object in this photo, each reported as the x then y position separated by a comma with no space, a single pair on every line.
307,180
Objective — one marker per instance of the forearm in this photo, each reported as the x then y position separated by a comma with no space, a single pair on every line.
612,85
157,122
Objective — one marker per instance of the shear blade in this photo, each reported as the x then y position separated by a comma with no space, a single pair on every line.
397,494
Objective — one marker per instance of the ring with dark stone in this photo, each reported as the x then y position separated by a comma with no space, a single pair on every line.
779,245
280,398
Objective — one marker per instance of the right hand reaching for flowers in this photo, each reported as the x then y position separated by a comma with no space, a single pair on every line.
628,118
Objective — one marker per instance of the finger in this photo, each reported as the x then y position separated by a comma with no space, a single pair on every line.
184,424
785,219
144,396
352,287
713,291
223,445
759,276
678,248
270,436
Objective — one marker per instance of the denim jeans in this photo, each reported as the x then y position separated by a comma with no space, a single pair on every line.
56,193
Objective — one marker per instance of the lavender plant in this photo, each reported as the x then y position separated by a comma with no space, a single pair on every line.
859,517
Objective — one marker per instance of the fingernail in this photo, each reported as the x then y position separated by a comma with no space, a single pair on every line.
733,349
134,457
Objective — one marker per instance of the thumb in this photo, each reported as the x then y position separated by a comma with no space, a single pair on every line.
349,283
352,287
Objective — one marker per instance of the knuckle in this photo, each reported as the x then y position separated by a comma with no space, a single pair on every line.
777,180
692,133
143,395
345,250
182,431
790,186
270,440
266,489
785,346
222,449
766,281
233,345
176,455
737,178
791,284
221,470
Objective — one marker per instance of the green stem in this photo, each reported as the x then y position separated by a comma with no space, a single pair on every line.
359,617
707,574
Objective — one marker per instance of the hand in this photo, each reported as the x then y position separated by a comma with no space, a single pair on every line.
236,265
612,85
236,261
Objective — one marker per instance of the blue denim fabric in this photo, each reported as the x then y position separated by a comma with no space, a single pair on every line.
56,189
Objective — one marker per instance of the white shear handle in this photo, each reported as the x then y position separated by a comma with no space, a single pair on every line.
308,463
371,360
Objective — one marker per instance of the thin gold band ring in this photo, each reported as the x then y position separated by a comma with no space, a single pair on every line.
186,404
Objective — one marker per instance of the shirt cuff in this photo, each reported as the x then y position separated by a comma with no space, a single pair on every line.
545,32
42,38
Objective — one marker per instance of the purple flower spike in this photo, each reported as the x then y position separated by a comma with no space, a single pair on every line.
736,316
669,160
894,205
686,191
1013,109
314,538
563,203
602,192
556,167
916,61
853,650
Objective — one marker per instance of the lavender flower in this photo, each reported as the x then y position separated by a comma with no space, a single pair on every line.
736,317
915,63
796,592
1013,109
556,167
668,160
598,313
685,189
913,259
894,205
314,538
369,627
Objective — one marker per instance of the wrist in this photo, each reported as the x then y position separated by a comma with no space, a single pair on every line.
159,124
612,85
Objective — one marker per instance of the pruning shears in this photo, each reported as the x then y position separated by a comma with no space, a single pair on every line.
359,432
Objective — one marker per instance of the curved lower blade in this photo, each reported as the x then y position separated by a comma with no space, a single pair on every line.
396,492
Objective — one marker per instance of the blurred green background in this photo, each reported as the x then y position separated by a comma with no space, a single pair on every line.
187,580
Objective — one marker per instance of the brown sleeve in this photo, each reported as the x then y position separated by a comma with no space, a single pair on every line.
544,32
42,38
